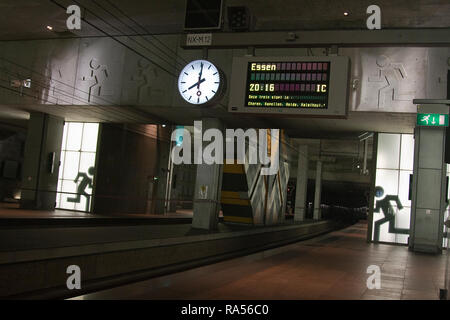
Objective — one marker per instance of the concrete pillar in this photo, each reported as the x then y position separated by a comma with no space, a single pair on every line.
208,184
41,161
429,185
302,183
317,195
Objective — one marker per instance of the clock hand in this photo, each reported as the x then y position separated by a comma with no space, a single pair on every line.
197,84
200,76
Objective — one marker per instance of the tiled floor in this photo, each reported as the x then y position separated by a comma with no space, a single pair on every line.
333,266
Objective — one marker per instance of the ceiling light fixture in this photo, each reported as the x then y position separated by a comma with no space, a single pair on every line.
50,28
346,13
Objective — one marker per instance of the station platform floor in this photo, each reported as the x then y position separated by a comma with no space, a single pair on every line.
12,211
34,229
331,266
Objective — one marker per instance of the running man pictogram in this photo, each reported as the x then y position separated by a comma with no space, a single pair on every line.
86,182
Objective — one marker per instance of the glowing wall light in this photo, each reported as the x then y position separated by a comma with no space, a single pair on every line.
76,172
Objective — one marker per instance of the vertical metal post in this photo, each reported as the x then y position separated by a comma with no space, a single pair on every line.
317,196
366,149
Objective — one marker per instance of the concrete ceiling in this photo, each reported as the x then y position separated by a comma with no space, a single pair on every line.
298,127
356,124
329,149
27,19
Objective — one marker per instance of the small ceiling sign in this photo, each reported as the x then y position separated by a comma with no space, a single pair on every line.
199,39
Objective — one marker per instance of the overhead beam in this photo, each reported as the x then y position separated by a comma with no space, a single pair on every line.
325,38
431,101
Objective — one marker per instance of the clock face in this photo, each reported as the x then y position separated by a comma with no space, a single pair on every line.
199,82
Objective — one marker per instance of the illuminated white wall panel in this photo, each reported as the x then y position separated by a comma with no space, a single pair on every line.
395,157
77,157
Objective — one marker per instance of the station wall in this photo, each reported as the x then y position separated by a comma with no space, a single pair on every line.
100,71
131,169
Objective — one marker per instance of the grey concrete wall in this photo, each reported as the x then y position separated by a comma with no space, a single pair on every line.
436,76
62,72
125,78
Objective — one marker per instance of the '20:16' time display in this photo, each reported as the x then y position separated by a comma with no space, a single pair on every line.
302,84
270,87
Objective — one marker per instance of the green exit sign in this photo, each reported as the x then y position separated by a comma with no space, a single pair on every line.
432,119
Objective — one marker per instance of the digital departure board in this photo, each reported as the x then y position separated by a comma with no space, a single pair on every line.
293,85
288,84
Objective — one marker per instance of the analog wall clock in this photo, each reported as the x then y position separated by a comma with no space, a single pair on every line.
200,82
